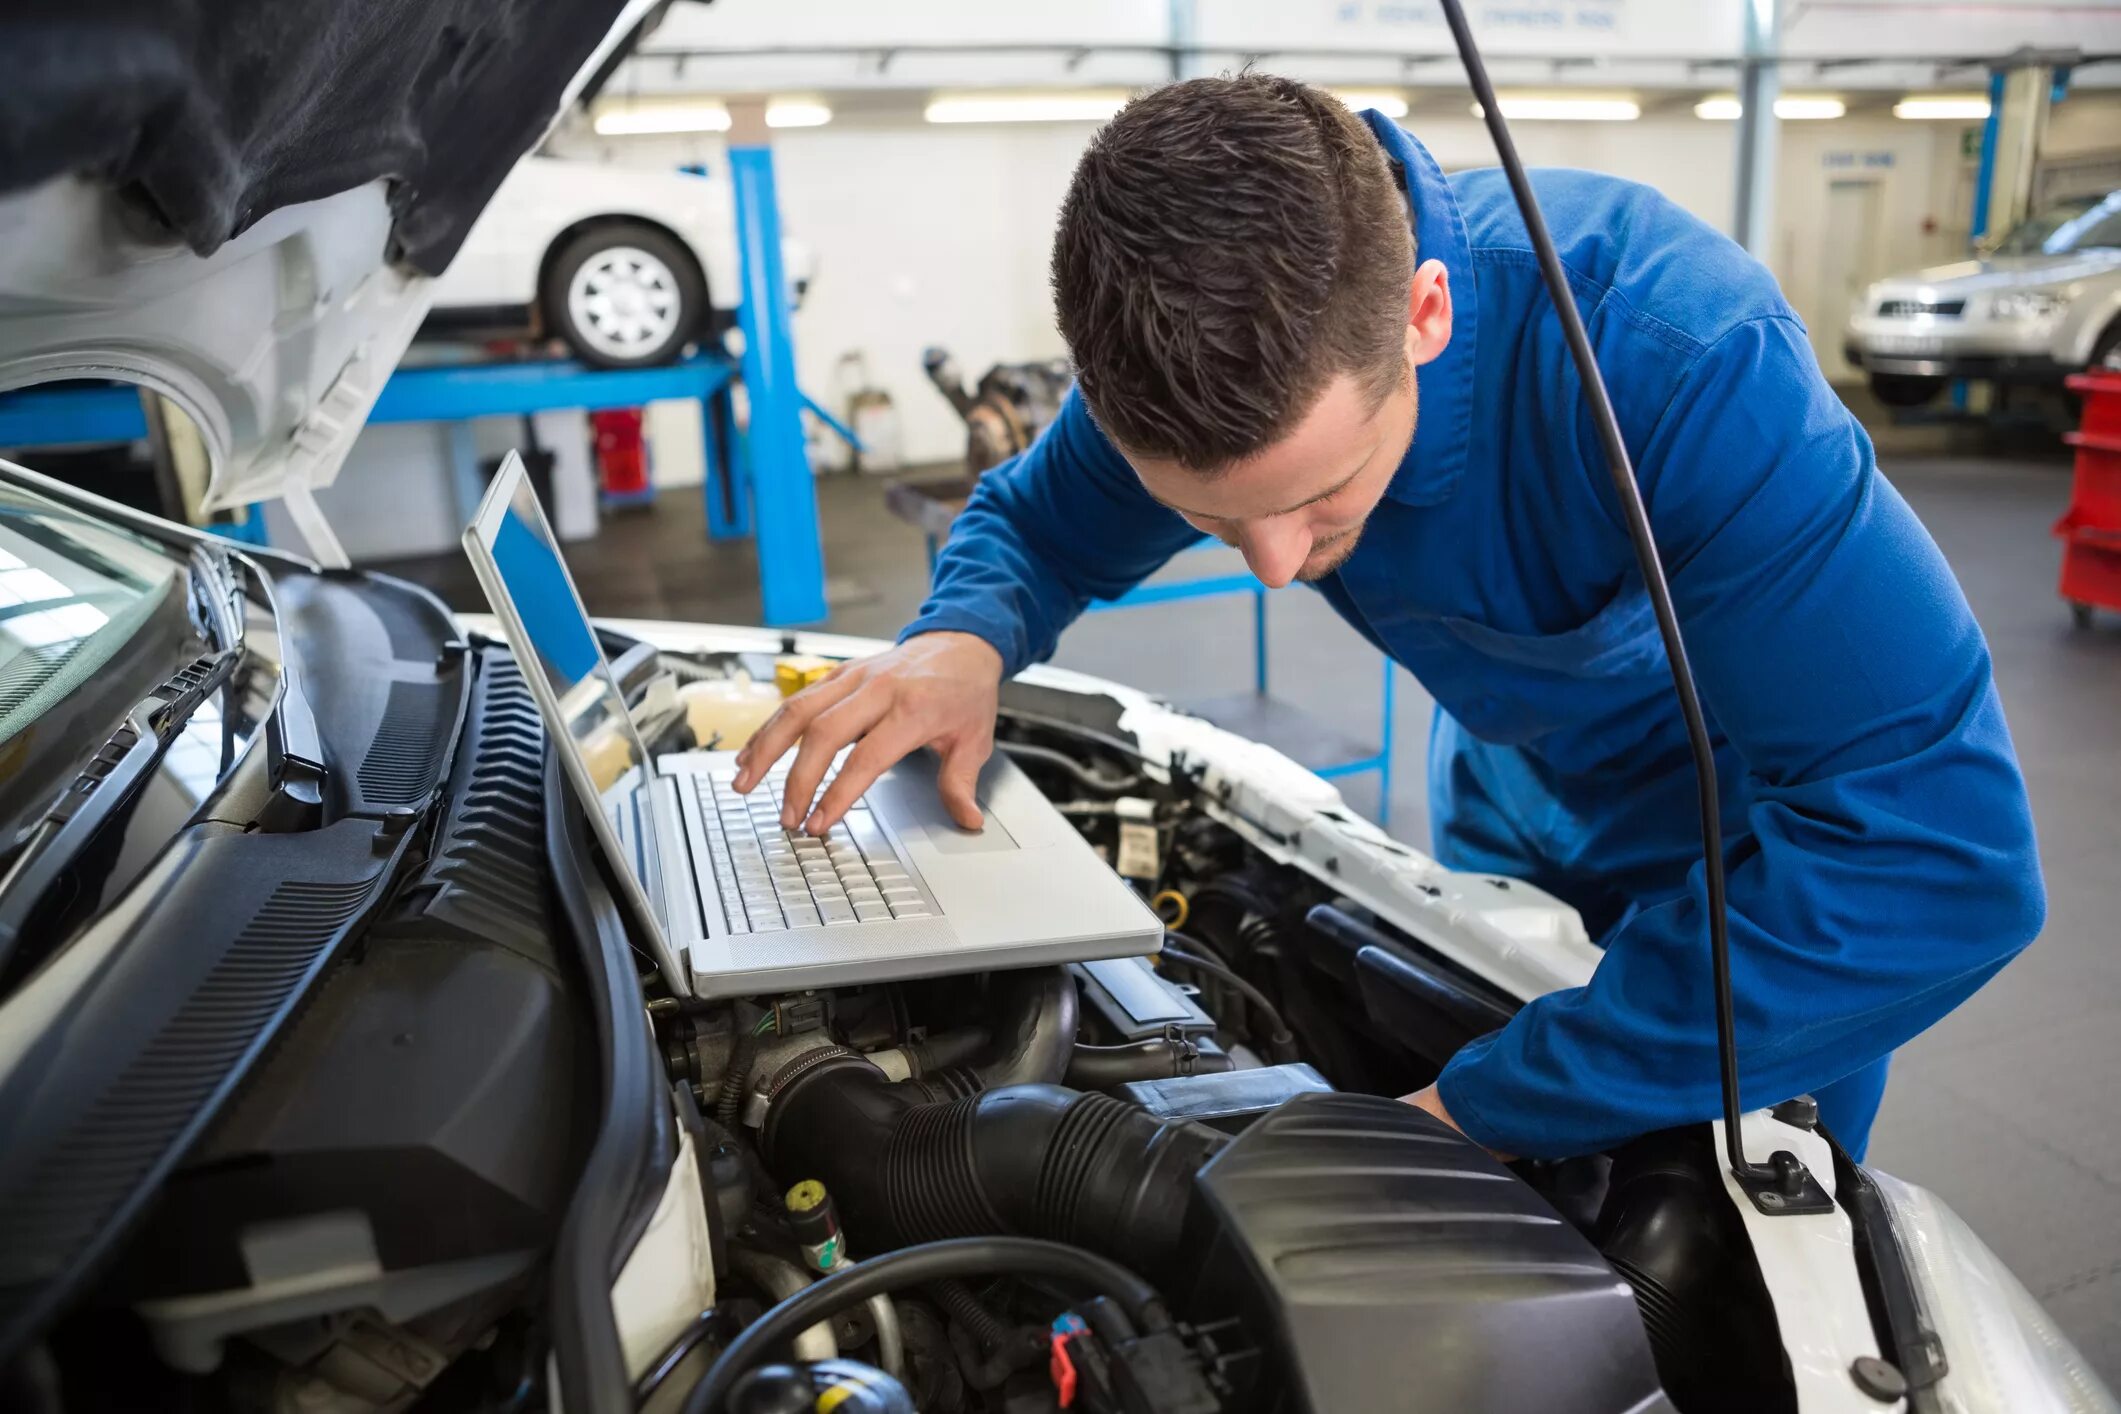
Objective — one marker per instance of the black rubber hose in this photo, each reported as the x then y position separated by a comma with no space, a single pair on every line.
921,1266
985,1370
970,1312
1036,1159
1035,1024
1281,1043
947,1049
1060,760
698,1329
1033,1012
1158,1058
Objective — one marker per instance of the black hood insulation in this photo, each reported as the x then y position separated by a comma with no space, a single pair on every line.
215,113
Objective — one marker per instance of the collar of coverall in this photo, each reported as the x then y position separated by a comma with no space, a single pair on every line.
1438,458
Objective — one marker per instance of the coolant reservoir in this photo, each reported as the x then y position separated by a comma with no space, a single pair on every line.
726,711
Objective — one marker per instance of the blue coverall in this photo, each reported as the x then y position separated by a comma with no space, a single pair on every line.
1877,836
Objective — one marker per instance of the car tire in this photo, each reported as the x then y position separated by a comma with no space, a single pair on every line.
1901,390
2106,352
624,296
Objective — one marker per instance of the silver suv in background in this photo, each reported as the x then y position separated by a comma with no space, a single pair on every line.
2043,302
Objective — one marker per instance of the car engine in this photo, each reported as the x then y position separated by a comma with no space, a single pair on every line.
369,1226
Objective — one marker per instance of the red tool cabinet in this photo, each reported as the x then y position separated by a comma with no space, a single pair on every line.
2091,528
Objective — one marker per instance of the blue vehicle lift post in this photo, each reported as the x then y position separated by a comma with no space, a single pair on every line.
783,496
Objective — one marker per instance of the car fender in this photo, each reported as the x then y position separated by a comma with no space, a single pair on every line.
2092,311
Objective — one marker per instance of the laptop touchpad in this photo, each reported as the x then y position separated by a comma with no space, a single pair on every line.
916,806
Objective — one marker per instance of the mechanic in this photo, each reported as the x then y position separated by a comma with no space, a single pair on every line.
1252,331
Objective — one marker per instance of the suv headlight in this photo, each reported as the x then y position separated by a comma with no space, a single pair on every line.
2002,1351
2028,305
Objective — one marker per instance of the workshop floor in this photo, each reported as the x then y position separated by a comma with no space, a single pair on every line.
2008,1108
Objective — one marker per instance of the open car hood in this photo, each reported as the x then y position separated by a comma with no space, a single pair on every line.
238,203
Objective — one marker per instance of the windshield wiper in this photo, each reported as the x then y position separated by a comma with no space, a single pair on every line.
217,596
102,787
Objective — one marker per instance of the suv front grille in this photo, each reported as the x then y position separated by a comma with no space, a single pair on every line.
1908,308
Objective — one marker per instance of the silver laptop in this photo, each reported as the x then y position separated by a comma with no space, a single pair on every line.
735,906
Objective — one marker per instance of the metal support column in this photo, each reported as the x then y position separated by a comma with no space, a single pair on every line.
783,497
1985,174
1759,84
728,489
2019,94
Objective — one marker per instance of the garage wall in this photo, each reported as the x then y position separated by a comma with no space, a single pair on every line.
939,235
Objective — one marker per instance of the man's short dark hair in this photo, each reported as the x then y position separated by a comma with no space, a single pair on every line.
1229,246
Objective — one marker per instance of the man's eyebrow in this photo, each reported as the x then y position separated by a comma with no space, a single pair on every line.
1331,491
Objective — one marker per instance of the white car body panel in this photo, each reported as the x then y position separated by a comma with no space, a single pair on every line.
275,346
669,1276
545,197
1808,1261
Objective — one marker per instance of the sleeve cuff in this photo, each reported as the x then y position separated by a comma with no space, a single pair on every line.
950,619
1460,1090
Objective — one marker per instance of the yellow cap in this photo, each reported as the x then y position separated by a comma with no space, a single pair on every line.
805,1196
792,674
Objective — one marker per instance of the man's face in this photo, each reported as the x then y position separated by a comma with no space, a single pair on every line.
1296,508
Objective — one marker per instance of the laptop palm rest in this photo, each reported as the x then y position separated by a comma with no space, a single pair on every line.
907,798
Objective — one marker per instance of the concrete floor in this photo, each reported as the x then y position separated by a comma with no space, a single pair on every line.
2008,1108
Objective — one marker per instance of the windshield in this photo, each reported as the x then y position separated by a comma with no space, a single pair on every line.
92,619
72,593
2087,223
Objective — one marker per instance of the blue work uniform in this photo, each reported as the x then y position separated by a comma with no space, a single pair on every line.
1877,835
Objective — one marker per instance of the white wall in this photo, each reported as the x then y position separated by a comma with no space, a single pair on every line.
941,235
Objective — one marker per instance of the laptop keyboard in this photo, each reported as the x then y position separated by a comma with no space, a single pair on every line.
772,879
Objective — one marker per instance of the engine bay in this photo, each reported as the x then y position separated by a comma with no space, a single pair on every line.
371,1226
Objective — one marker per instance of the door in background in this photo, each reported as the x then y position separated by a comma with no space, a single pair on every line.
1847,262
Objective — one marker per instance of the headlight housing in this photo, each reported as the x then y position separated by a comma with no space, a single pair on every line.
2002,1351
2030,306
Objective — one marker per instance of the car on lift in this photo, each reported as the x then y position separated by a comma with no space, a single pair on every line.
628,266
333,1077
2039,304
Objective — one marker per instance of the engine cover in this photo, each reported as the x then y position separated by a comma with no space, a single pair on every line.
1391,1263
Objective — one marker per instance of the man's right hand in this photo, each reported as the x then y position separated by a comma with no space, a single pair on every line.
936,689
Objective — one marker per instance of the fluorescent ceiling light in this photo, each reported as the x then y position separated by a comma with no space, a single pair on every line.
1023,107
1969,107
1385,101
797,113
663,118
1531,108
641,119
1791,108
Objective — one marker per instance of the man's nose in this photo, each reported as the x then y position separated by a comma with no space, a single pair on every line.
1274,552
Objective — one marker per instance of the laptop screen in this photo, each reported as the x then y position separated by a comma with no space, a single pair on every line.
527,558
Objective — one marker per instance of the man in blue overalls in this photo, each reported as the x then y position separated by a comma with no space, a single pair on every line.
1254,332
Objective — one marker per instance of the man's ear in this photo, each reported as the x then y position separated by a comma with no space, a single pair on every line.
1428,313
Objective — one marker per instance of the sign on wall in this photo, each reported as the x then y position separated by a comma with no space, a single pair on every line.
1505,28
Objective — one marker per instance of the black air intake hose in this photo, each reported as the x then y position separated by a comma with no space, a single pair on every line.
1034,1019
1158,1058
1034,1160
1033,1015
